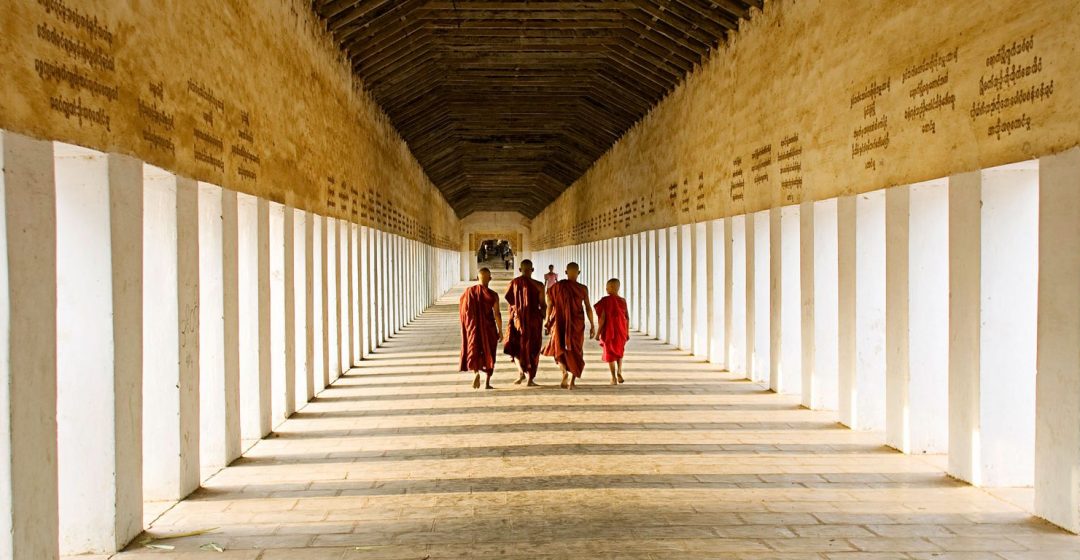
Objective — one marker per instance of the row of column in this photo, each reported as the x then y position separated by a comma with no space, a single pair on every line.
920,310
152,324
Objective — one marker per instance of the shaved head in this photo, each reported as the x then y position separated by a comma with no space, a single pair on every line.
572,271
484,275
526,268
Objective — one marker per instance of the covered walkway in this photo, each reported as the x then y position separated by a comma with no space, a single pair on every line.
400,458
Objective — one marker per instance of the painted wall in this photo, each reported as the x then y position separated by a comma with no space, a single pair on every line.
813,99
249,95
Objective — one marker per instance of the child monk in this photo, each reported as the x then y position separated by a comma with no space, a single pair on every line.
614,329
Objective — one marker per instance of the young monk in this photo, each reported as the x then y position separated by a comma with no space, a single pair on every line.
481,328
524,331
614,329
566,324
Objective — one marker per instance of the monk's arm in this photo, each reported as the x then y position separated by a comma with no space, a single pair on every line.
600,320
498,317
589,314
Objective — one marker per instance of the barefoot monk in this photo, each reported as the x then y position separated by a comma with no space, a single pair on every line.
568,304
526,322
481,326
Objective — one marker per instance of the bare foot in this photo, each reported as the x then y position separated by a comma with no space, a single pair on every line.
488,386
533,383
520,379
476,381
572,385
564,383
621,379
614,381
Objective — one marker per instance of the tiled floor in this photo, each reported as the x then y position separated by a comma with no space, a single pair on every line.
401,459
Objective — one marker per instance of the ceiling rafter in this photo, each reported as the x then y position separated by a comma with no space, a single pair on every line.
507,103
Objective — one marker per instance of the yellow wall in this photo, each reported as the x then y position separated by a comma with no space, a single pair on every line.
251,95
805,96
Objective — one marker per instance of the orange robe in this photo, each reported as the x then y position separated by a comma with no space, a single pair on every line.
526,332
479,335
616,329
567,323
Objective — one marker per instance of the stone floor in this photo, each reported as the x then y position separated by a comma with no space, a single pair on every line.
401,459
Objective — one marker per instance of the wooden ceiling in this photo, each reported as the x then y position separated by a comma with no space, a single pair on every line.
505,104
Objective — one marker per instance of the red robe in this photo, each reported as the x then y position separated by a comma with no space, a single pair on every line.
526,332
479,335
567,323
616,329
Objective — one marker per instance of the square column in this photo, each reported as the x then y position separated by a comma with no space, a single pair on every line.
823,385
699,303
328,287
315,328
672,264
344,312
170,335
254,409
28,473
740,338
917,319
806,293
219,374
296,305
356,325
1057,413
662,286
993,224
775,273
719,289
272,355
789,240
686,286
862,405
99,275
651,325
761,295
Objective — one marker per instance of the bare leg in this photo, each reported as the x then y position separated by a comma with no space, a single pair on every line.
488,384
573,384
564,384
619,361
533,383
476,381
614,380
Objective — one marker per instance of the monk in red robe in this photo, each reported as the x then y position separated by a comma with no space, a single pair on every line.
614,329
481,328
526,324
566,323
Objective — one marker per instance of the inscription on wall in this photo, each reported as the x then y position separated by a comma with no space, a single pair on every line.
1013,81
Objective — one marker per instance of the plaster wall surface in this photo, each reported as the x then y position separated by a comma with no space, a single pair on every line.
812,100
226,108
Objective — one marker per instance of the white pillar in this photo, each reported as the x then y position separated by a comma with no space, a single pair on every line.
760,294
99,219
1057,432
272,358
862,405
993,275
674,283
806,295
344,314
330,306
315,330
662,288
652,263
775,299
28,353
219,381
740,337
824,382
789,239
719,286
170,336
253,408
686,286
917,319
356,331
296,306
699,325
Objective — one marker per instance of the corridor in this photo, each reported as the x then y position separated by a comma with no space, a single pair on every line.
401,459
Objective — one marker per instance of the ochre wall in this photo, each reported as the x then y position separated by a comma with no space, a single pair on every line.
818,98
251,95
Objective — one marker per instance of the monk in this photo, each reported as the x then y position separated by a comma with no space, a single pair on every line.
614,329
481,328
566,324
524,337
550,278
